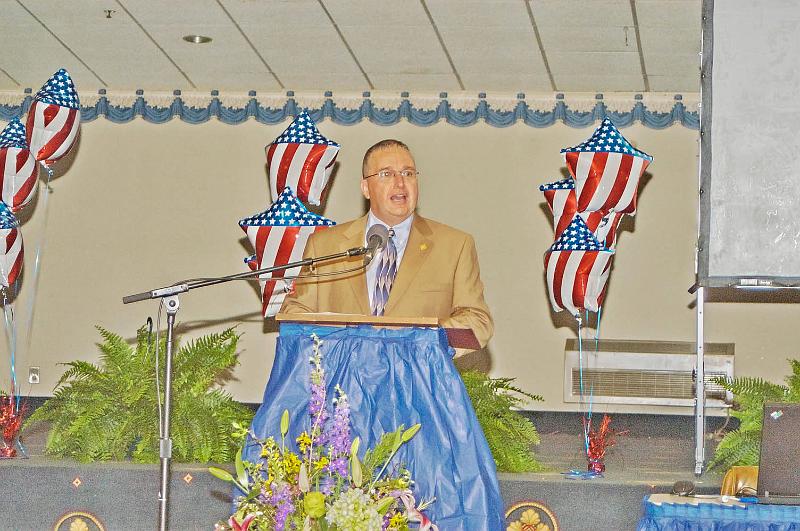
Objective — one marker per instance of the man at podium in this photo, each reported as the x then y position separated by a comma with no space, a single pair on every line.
426,269
399,375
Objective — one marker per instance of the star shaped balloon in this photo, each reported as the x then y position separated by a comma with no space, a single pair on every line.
302,159
11,250
18,169
606,169
279,236
54,118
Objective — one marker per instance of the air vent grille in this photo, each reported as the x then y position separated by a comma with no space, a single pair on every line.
641,383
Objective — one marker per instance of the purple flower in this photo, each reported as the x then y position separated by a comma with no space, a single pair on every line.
338,466
281,499
326,485
338,434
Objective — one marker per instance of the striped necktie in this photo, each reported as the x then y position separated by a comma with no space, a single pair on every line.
384,276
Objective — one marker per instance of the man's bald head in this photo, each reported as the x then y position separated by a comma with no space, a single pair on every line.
383,144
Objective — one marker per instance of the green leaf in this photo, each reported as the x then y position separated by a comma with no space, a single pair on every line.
241,475
356,471
220,473
410,432
285,423
384,505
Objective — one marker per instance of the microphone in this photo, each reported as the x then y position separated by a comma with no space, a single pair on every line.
377,236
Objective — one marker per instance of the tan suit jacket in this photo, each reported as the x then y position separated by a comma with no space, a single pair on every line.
438,277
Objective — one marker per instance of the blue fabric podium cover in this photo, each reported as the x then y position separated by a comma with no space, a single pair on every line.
716,517
392,377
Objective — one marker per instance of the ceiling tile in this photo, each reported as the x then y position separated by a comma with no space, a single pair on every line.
599,82
673,64
677,84
321,52
320,81
495,14
510,52
397,39
31,54
227,60
414,82
676,14
594,63
87,31
600,13
588,39
505,82
671,40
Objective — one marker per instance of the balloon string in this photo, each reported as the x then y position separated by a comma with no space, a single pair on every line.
11,337
37,261
580,380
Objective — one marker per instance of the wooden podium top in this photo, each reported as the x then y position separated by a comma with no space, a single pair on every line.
456,337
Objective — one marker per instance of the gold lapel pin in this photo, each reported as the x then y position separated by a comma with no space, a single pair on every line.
423,246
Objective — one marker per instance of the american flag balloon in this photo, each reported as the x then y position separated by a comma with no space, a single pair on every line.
577,267
279,236
561,199
302,159
563,203
12,251
19,172
54,118
606,169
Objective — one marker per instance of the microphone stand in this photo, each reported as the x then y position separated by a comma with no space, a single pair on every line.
172,303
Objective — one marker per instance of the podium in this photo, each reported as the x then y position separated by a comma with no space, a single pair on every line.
394,371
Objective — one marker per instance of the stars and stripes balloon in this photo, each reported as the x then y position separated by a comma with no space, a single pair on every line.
11,250
563,203
54,118
279,236
606,169
587,210
18,169
577,267
302,159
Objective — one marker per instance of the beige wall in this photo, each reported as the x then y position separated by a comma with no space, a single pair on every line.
144,205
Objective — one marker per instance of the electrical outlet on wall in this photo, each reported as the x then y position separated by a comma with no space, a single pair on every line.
33,375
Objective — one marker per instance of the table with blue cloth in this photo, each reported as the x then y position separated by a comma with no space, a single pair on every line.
393,377
666,512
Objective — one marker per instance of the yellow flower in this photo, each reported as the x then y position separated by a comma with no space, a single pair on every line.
303,441
322,463
529,521
398,521
291,465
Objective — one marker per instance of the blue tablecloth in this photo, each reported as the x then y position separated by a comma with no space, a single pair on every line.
393,377
718,517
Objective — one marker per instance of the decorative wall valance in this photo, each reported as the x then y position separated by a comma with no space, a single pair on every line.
654,110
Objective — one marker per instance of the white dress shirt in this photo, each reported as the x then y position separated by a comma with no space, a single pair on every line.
400,239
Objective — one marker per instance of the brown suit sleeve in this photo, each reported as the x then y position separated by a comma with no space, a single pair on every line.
469,307
303,298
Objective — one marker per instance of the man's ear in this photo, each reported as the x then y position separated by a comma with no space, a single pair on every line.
365,188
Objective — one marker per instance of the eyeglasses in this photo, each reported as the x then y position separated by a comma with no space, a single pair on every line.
385,175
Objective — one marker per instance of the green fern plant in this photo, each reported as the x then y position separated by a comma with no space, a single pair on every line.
110,410
510,435
743,445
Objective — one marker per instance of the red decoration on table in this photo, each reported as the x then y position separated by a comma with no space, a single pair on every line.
600,440
10,424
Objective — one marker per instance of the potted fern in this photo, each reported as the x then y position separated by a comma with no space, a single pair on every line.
510,435
109,411
742,446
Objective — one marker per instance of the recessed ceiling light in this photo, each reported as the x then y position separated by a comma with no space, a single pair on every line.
197,39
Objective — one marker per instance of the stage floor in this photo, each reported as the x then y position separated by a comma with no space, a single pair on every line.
656,452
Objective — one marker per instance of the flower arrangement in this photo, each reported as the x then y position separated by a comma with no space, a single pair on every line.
325,486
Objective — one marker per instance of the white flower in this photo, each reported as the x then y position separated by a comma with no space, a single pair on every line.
354,511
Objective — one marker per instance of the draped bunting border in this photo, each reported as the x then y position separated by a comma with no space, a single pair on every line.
461,111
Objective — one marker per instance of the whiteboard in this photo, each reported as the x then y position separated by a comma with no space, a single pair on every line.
750,144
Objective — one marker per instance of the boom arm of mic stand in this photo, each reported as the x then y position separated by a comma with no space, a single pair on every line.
182,287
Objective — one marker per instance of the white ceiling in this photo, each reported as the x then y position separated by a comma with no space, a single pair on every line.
355,45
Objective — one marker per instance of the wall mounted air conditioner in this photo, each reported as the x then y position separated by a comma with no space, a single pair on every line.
644,372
